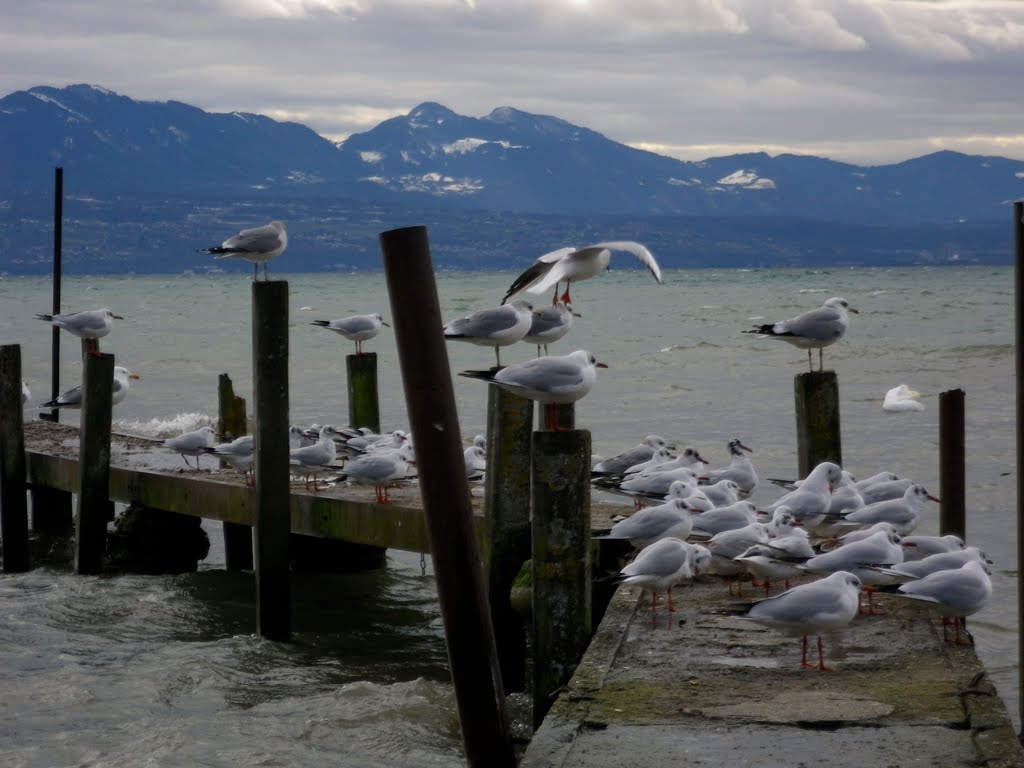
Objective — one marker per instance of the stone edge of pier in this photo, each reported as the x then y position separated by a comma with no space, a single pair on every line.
581,727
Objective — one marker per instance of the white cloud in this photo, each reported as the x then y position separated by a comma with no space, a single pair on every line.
862,78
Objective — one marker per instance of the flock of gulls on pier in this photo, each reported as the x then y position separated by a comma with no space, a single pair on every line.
689,519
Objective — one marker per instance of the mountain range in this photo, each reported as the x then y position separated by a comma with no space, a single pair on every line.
146,183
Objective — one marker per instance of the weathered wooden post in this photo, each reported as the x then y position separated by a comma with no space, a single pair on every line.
818,434
13,502
507,519
94,506
232,421
363,401
952,464
561,561
430,397
272,511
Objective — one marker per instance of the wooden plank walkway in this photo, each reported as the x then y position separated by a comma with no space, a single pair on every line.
342,512
710,690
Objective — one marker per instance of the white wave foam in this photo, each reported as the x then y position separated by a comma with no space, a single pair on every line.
157,427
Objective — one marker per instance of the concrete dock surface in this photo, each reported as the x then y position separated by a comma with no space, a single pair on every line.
707,689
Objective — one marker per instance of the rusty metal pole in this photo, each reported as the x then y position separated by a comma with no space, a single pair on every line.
430,398
1018,239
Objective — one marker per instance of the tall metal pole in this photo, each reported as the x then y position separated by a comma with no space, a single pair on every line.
58,234
1018,239
430,397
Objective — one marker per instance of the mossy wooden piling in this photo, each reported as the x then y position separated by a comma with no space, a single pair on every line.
13,499
818,433
271,460
232,421
952,468
430,397
561,561
94,506
507,543
363,400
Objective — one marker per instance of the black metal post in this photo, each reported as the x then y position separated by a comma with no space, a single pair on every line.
58,235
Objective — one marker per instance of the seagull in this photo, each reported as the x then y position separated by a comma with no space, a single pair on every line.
549,324
863,559
380,469
652,523
194,443
740,469
940,561
357,328
552,380
724,518
620,462
73,397
90,325
660,565
26,393
475,459
498,327
954,593
258,245
815,329
810,609
902,513
902,399
920,547
316,456
810,501
575,264
239,454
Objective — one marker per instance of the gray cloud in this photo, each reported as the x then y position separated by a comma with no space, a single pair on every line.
861,80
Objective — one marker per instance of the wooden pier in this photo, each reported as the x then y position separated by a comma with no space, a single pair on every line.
707,689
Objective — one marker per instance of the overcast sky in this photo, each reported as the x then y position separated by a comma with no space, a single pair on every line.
866,81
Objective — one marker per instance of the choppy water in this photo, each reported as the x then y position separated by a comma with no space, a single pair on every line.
165,671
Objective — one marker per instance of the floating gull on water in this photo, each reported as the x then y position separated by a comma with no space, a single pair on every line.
575,264
194,443
258,245
902,399
815,329
357,328
553,380
497,327
89,325
73,397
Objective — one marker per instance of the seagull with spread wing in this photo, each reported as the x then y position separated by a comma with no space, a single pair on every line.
570,265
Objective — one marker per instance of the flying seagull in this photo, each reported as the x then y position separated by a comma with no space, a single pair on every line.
574,264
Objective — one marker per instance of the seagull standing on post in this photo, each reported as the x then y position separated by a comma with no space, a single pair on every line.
258,245
815,329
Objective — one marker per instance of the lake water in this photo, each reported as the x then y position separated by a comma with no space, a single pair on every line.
165,671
